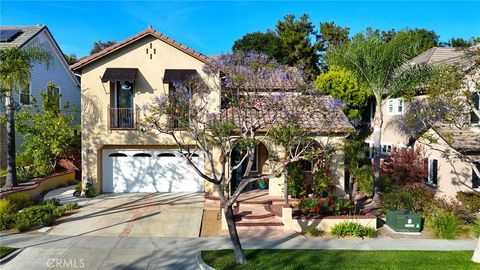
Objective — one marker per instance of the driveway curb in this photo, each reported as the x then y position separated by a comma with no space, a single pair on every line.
200,263
10,256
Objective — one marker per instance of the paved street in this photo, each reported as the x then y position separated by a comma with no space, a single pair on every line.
117,252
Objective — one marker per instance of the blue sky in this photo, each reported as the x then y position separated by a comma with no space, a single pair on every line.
211,27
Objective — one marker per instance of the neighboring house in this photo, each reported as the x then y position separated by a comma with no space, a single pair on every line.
116,83
452,158
58,71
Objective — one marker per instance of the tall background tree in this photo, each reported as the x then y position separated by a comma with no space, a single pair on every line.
100,45
296,38
330,35
70,58
267,43
379,65
15,73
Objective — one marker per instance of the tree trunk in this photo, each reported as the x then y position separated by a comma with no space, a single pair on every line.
285,186
353,190
11,180
377,142
476,253
232,232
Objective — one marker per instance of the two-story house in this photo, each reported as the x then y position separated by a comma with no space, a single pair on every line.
58,72
455,155
116,83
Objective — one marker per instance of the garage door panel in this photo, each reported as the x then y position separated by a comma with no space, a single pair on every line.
150,171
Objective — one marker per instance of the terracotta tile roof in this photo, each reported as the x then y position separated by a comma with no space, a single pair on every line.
319,114
463,140
27,33
91,58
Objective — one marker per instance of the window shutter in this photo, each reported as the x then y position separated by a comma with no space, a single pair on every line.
475,178
473,117
434,171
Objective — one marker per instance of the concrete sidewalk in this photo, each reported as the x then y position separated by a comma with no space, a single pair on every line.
113,252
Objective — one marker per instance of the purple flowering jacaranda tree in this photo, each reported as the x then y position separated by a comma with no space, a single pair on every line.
237,102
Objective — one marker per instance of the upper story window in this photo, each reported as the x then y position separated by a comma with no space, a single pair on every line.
395,106
386,149
24,94
122,112
476,103
432,171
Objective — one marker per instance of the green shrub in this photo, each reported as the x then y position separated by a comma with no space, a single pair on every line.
353,229
20,200
444,225
414,198
3,172
6,206
52,202
7,211
471,200
313,231
70,206
476,227
6,221
22,223
90,191
296,180
37,215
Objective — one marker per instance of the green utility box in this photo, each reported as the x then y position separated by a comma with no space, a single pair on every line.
404,221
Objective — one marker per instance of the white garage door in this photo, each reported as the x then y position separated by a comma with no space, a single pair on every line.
150,171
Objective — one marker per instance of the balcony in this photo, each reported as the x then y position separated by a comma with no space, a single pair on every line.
123,118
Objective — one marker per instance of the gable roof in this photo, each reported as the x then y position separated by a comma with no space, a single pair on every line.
27,33
443,55
148,32
463,140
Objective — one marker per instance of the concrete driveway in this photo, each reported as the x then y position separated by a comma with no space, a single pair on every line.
137,214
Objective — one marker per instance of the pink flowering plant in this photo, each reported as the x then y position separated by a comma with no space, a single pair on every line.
315,206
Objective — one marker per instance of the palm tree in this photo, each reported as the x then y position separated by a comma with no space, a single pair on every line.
380,65
15,73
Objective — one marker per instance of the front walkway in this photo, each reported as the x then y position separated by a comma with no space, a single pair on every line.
113,252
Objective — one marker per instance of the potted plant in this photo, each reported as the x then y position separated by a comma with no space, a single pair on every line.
262,184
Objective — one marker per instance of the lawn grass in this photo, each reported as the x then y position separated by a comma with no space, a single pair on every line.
342,259
4,251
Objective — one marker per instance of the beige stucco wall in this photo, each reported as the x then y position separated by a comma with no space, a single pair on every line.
393,130
454,175
336,166
149,83
323,224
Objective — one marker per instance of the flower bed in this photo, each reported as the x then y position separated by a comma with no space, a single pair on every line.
316,207
323,223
